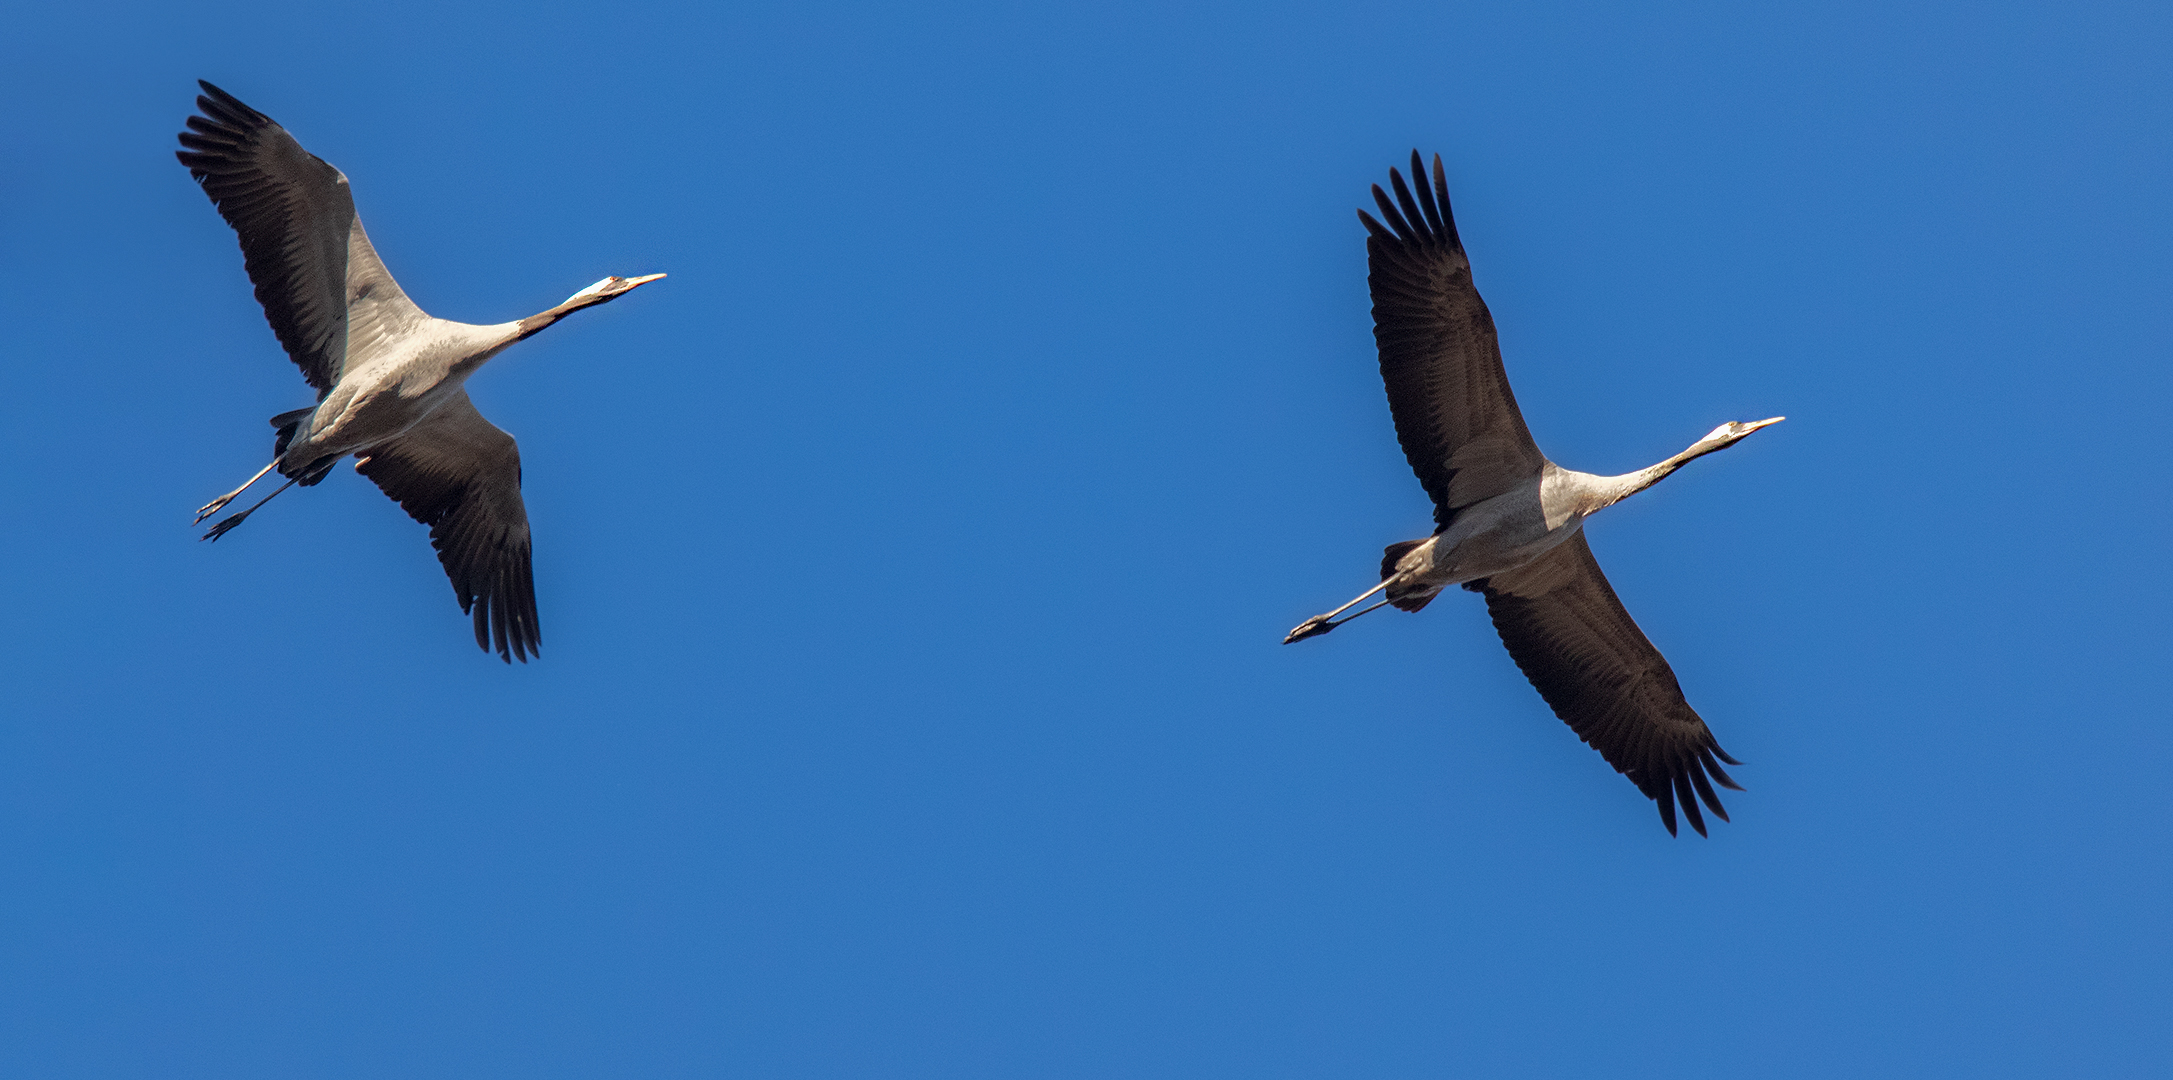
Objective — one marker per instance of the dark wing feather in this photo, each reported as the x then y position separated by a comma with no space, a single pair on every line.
1571,636
1455,416
460,475
294,215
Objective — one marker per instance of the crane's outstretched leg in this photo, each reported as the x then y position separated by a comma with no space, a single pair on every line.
227,526
1321,624
215,505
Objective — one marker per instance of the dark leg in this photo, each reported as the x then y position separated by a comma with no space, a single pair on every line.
227,526
214,505
1321,624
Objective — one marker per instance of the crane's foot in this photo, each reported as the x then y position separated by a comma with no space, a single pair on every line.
1313,627
224,527
227,526
213,507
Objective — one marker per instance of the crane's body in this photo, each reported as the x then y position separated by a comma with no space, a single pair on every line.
390,379
398,388
1511,522
406,372
1509,530
1497,535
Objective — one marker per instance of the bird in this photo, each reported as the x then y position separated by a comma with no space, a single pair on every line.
390,380
1509,523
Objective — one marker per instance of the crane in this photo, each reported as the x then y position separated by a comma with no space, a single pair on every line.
1509,523
390,380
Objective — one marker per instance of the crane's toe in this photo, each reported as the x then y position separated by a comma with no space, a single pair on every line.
224,527
1313,627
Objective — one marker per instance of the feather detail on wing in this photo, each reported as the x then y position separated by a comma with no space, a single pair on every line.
378,311
460,475
1455,416
1573,639
304,249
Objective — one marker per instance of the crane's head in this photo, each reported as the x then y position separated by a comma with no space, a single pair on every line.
607,290
1729,434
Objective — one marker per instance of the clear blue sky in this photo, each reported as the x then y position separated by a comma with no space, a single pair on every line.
913,561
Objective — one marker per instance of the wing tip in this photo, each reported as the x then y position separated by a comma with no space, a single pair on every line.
224,108
505,617
1689,801
1712,768
1423,218
1687,784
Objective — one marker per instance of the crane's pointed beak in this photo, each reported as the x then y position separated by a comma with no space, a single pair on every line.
610,288
1747,428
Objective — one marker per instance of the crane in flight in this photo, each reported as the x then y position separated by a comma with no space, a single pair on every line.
389,378
1509,523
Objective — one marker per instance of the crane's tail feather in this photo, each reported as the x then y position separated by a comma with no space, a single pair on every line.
288,423
1390,556
1393,554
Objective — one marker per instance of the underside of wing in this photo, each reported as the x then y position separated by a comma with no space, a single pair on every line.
293,214
1455,416
378,311
1571,636
461,475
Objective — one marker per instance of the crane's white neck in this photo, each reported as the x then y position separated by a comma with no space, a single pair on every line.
1604,491
1610,490
603,292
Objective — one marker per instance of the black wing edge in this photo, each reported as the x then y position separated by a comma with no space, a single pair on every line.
254,201
1425,221
494,580
1690,774
505,615
1456,417
1683,772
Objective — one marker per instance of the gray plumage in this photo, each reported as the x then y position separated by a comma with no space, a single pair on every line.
1510,522
390,380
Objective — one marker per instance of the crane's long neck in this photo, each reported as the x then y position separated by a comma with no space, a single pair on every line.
1613,489
603,292
537,323
488,341
505,334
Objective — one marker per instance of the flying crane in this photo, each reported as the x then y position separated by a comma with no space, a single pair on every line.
390,380
1509,522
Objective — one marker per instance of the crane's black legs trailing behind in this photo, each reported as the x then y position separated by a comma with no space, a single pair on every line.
214,505
1321,624
227,526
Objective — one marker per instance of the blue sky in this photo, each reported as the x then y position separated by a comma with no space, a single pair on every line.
913,560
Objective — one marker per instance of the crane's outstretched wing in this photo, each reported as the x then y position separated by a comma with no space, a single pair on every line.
1571,636
460,475
1455,416
319,280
